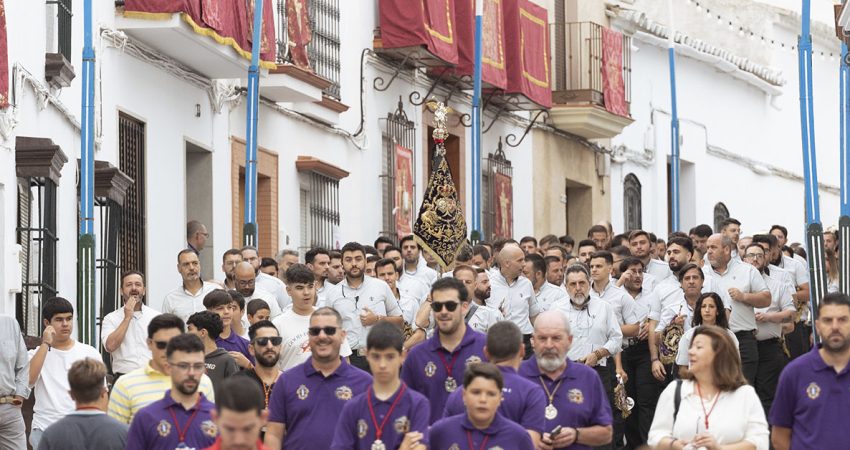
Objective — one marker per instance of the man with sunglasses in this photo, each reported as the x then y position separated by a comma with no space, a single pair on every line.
265,347
435,367
143,386
306,402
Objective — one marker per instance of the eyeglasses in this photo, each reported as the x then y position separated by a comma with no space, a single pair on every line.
275,340
161,344
754,255
450,306
314,331
186,367
245,283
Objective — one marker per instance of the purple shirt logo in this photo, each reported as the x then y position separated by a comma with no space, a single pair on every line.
302,392
576,396
164,428
209,428
473,360
402,425
343,393
362,428
430,369
813,390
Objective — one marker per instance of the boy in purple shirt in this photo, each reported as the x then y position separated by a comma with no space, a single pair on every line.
435,367
481,426
221,303
182,419
523,401
388,415
810,409
307,399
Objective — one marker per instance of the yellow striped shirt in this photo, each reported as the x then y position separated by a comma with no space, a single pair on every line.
140,388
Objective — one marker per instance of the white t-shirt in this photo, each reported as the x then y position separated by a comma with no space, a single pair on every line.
295,348
52,400
275,287
682,358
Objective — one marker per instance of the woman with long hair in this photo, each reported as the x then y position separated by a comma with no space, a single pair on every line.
717,408
831,271
708,310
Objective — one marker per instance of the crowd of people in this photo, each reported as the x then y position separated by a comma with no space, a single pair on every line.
702,340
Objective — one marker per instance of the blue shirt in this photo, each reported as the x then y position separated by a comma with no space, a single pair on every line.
154,428
425,368
356,429
235,343
456,432
309,404
522,401
812,400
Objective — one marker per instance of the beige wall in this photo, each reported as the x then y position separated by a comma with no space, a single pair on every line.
563,167
586,11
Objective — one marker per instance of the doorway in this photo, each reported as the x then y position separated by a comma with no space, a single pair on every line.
199,201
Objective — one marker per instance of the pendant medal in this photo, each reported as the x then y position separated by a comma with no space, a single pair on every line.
551,412
451,384
378,445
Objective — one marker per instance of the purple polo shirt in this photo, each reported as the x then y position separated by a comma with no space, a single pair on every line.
457,431
424,369
153,427
355,428
522,401
309,403
811,400
235,343
581,400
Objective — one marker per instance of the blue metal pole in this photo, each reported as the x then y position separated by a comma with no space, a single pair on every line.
249,230
476,126
86,240
844,144
814,229
674,125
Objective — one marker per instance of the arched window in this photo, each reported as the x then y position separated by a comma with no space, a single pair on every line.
721,213
632,202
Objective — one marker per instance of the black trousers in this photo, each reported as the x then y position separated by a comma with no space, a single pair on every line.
526,341
798,340
772,360
644,389
359,362
607,375
748,347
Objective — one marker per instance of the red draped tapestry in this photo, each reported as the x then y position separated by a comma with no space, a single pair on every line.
228,22
428,23
403,191
299,32
613,87
527,47
493,73
4,58
503,228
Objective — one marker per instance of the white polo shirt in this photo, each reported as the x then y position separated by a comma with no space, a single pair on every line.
746,279
133,353
625,309
275,287
658,269
483,317
798,269
780,300
593,327
413,287
350,302
183,304
516,301
266,296
550,294
424,273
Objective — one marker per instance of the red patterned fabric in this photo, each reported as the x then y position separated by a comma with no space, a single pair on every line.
527,48
613,87
403,191
493,67
4,58
504,206
429,23
299,32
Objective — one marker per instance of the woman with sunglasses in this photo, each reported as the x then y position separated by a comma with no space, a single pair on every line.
711,311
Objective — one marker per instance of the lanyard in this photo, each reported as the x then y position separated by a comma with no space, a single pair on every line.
447,365
552,395
469,438
707,414
181,434
379,429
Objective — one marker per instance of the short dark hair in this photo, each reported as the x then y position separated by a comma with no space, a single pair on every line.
132,272
597,229
577,268
192,227
621,250
604,254
560,248
528,239
618,239
586,243
702,230
726,222
481,251
567,240
464,267
387,262
383,240
688,267
238,298
256,305
629,262
504,341
781,229
499,244
165,322
836,299
207,320
537,262
637,233
464,254
327,311
551,259
216,298
370,251
684,242
483,370
249,247
768,239
444,284
231,252
722,321
548,240
335,254
184,252
238,396
385,336
300,274
252,330
268,262
87,380
392,248
370,258
353,247
54,306
311,254
677,234
409,237
187,343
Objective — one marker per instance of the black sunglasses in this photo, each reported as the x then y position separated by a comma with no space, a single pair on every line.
161,344
314,331
450,306
264,341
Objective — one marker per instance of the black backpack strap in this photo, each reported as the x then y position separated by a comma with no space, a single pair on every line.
472,307
677,400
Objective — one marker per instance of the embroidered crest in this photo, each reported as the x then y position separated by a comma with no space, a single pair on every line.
209,428
362,428
454,447
302,392
473,359
343,393
430,369
496,448
575,396
164,428
401,425
813,390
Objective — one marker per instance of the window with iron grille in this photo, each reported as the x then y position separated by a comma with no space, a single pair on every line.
37,237
322,221
721,213
324,48
131,152
632,202
398,130
108,214
63,26
493,164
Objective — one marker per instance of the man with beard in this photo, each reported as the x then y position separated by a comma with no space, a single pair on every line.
408,285
435,367
182,419
335,271
480,316
640,246
576,399
555,271
586,248
699,235
482,286
246,284
731,228
681,312
265,347
124,330
513,294
411,250
362,302
669,291
229,260
805,412
318,260
264,281
546,294
306,402
187,298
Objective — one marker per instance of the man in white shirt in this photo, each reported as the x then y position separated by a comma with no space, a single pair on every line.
546,294
731,228
742,289
480,317
680,312
555,271
512,294
411,251
229,260
628,314
188,298
125,331
49,365
408,284
246,284
318,260
264,281
586,248
386,270
639,243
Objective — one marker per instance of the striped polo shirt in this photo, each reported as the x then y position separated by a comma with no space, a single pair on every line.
141,387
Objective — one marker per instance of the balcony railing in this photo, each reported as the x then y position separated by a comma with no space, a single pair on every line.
578,63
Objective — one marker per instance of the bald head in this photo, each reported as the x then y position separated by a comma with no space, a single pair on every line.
552,320
511,260
244,277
